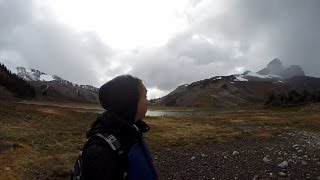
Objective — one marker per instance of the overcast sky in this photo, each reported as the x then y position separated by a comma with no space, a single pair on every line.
165,43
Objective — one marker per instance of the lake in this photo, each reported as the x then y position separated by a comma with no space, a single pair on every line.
150,112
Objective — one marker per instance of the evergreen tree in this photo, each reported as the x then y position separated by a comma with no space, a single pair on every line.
15,84
293,97
271,99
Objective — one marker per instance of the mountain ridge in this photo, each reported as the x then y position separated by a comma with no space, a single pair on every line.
36,75
275,67
236,90
55,88
218,92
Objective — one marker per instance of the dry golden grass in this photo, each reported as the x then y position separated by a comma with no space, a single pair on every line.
69,104
177,131
43,142
52,140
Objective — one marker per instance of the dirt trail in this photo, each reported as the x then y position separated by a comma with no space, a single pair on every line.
297,152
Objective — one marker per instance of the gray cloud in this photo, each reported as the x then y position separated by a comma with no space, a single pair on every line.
180,62
245,35
47,45
266,29
257,30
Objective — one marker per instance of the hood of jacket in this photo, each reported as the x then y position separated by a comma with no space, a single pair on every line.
109,122
121,96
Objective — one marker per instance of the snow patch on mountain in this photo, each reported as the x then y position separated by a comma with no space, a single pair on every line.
46,78
14,71
30,74
240,78
253,74
89,87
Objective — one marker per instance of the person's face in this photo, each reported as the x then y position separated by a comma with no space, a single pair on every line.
142,104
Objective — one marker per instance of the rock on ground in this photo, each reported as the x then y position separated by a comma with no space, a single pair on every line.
219,163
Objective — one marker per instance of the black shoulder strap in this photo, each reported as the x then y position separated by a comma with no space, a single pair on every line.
112,142
119,153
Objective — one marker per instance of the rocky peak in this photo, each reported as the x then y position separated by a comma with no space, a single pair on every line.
90,88
29,75
246,73
275,61
36,75
275,67
293,70
59,79
37,72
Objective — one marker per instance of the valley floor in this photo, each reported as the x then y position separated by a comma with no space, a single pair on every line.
245,158
38,142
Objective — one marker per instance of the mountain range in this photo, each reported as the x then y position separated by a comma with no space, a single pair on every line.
275,67
53,87
246,89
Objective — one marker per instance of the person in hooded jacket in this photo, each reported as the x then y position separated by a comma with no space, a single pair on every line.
124,99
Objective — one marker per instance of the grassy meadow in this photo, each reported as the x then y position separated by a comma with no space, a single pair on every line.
41,142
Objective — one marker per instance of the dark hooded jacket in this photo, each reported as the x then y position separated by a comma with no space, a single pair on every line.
120,99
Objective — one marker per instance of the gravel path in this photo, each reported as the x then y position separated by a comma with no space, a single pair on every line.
288,155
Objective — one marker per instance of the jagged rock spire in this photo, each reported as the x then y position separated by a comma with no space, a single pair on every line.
275,67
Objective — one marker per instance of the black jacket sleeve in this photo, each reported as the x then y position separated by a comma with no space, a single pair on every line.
98,163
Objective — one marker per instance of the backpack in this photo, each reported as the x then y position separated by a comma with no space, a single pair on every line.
110,140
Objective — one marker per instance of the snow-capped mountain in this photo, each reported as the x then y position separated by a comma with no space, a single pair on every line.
31,74
36,75
275,67
246,89
274,72
55,88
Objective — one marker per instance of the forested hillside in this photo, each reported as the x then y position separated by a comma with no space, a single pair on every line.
15,84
